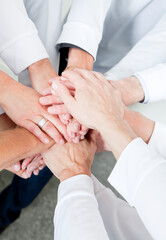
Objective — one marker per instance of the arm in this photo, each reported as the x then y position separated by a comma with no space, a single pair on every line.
21,38
71,163
16,144
141,57
140,174
84,25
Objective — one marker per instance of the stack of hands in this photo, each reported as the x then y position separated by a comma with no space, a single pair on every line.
77,101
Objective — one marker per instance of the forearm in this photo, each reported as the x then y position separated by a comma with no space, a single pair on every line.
6,123
78,58
117,134
17,144
142,126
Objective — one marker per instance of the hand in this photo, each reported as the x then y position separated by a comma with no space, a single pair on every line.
21,104
71,159
75,130
131,90
95,98
16,169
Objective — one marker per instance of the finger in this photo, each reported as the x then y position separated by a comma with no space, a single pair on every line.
41,168
74,126
36,172
64,121
49,100
98,75
64,94
76,139
53,79
34,129
26,162
58,124
58,109
46,91
53,133
85,74
74,77
67,84
83,130
17,166
35,164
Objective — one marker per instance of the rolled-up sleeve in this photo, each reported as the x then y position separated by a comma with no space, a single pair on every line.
84,26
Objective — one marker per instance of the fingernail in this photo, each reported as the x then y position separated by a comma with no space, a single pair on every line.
46,140
54,86
53,92
73,135
66,116
43,100
17,168
63,79
76,140
31,169
41,168
24,175
75,127
82,137
62,142
50,110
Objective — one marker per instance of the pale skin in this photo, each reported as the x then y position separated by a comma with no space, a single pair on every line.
101,108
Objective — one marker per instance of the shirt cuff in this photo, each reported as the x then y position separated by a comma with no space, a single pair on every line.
24,52
132,168
80,184
88,44
144,86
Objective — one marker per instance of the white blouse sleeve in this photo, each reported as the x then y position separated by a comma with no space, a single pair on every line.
76,214
20,45
84,26
158,139
140,177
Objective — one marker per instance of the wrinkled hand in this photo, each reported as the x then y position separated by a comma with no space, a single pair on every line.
71,159
94,99
21,104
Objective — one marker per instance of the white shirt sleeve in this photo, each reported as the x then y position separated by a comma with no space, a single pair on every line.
76,214
140,177
157,141
148,52
20,45
84,26
154,81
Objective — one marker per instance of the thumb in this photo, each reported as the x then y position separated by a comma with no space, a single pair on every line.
64,94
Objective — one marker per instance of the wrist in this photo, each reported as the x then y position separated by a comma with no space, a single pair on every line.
5,83
131,90
78,58
68,173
